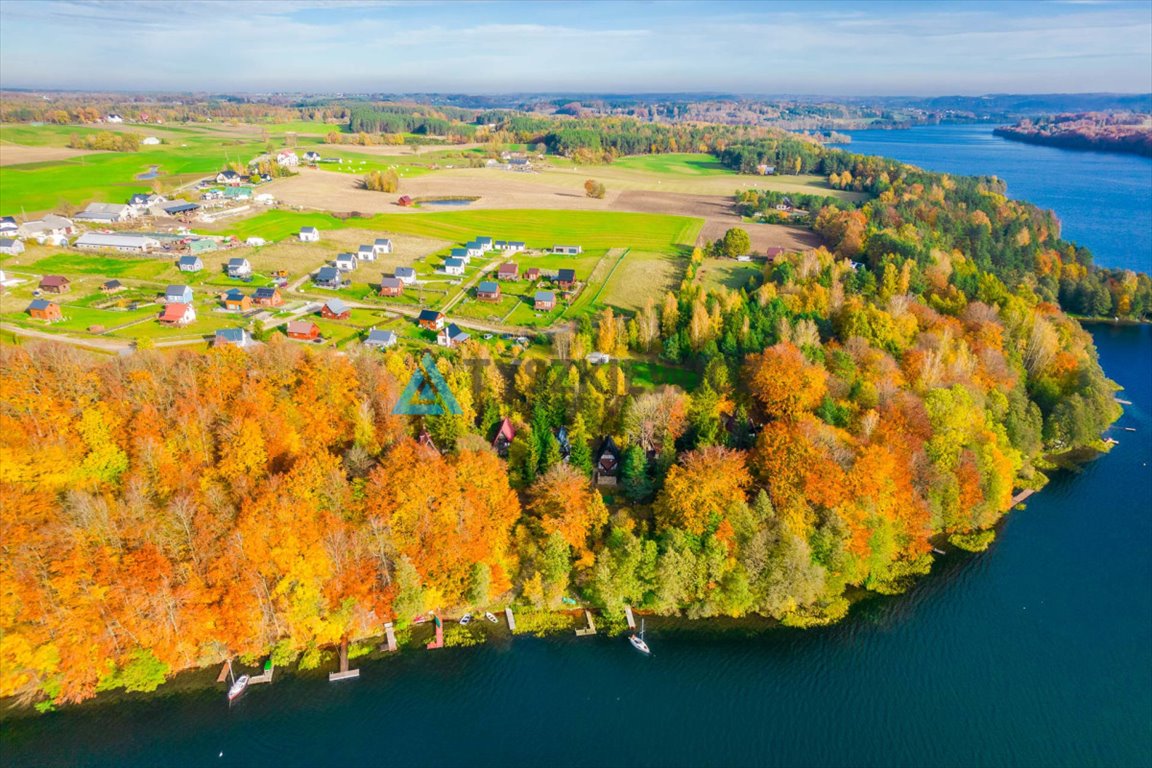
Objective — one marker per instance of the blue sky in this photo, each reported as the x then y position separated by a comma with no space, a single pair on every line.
832,48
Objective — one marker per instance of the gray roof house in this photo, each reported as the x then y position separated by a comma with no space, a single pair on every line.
11,246
328,277
405,274
239,267
190,264
105,212
380,339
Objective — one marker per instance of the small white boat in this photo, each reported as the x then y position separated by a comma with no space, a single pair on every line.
238,687
466,618
638,643
490,616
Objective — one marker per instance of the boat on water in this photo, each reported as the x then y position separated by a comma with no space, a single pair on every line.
239,685
490,616
637,641
466,618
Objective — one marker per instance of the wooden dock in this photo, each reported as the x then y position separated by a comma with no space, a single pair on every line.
439,641
628,615
350,674
1024,494
223,672
388,633
511,619
264,677
591,629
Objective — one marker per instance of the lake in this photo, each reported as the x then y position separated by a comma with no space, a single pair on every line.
1036,652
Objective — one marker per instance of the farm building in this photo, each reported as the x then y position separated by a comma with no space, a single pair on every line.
380,339
508,271
232,337
127,243
236,299
451,336
238,193
190,264
328,277
11,246
177,314
267,297
111,286
106,213
567,250
453,266
406,275
774,251
488,290
49,226
505,434
203,245
303,330
55,284
346,262
334,309
404,202
178,294
180,207
431,319
309,235
391,286
544,301
239,267
42,309
533,274
366,253
566,279
382,246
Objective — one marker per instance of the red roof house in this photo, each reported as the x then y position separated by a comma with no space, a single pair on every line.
304,330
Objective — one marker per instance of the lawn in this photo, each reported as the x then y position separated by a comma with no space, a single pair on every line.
685,164
639,276
727,273
139,268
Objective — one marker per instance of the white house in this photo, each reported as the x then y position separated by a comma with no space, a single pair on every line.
8,225
150,140
178,294
346,262
239,267
366,253
380,339
382,246
11,246
190,264
567,250
287,158
309,235
48,226
256,241
406,275
473,249
113,119
127,243
311,156
450,336
453,266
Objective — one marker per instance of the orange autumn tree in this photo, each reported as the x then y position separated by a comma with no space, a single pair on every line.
783,383
566,503
701,487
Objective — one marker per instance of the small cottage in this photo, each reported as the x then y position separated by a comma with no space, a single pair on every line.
532,274
239,267
431,319
607,460
566,279
451,336
55,284
404,202
328,277
488,290
382,246
380,339
453,266
406,275
309,235
42,309
335,309
177,314
178,294
505,434
346,262
366,253
190,264
232,337
267,297
111,286
391,286
236,300
508,271
303,330
544,301
11,246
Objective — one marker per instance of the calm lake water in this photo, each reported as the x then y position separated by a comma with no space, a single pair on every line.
1037,652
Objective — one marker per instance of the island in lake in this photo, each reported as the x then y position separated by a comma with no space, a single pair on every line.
1109,132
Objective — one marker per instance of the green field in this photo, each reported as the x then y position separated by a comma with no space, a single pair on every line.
674,165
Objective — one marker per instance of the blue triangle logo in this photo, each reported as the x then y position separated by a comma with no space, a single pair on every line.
427,393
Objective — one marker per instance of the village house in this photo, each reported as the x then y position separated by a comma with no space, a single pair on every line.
774,251
125,243
303,330
567,250
42,309
405,201
8,225
335,309
473,249
346,262
286,158
312,156
488,290
236,300
328,277
566,279
451,336
532,274
485,243
508,271
267,297
111,286
106,213
309,235
239,267
177,314
391,286
382,246
366,253
55,284
544,301
232,337
142,201
178,294
431,319
607,462
51,228
505,434
113,119
406,275
453,266
11,246
460,253
256,242
190,264
380,339
229,177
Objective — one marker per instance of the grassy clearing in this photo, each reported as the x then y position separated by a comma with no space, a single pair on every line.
686,164
727,273
640,276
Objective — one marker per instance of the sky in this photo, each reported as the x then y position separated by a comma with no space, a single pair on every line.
764,48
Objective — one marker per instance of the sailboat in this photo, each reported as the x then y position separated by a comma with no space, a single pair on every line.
239,684
638,641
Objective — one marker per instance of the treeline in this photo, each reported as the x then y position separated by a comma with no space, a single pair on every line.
106,140
404,119
604,139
